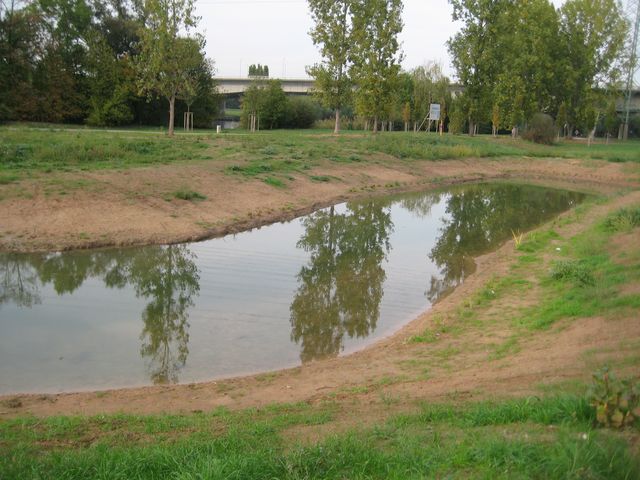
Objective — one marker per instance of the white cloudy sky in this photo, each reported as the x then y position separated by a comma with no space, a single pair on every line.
275,32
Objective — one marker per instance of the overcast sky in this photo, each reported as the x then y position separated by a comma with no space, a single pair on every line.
275,33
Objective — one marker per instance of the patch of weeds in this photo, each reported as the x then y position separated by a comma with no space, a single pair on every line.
390,380
320,178
14,402
623,220
432,333
189,195
274,182
617,402
573,270
537,241
506,348
388,399
355,390
252,169
267,377
269,151
7,178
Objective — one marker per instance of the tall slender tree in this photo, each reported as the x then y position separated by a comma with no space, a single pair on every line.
166,59
376,55
332,32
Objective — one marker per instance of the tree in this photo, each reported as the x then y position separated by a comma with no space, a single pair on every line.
166,59
110,81
274,105
474,55
593,34
376,55
332,32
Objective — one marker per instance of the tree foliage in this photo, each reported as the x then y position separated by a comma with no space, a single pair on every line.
258,70
520,57
74,61
376,56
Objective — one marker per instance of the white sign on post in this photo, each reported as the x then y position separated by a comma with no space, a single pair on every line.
434,111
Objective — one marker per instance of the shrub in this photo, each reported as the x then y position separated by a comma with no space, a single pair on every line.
302,112
617,402
541,129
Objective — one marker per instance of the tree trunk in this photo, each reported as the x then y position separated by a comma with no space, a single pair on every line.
172,114
336,129
375,124
472,128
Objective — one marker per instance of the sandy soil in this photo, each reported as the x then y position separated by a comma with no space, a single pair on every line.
456,366
105,208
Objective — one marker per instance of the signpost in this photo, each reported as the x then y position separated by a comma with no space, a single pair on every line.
434,112
434,116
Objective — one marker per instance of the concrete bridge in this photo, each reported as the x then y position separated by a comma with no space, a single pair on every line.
234,87
238,85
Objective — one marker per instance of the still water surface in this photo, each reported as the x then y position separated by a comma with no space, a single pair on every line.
318,286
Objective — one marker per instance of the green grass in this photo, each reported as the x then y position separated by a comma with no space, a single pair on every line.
25,148
551,437
587,281
274,182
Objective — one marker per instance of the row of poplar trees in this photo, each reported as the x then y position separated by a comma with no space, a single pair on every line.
358,41
513,58
112,62
519,57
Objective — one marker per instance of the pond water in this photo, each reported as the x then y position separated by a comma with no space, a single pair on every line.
324,284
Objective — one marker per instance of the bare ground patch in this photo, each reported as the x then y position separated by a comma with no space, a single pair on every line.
137,206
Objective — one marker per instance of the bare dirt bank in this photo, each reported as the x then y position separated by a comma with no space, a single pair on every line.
134,207
460,365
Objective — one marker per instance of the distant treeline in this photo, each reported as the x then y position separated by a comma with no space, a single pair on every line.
75,61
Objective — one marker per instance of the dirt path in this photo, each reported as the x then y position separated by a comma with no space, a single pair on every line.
92,209
458,365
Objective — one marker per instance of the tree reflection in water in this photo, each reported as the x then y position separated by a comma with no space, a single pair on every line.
165,275
18,281
481,217
340,288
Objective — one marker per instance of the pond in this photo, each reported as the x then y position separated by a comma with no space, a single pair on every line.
319,286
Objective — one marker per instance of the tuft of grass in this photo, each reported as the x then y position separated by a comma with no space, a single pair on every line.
320,178
623,220
274,182
7,178
190,195
573,270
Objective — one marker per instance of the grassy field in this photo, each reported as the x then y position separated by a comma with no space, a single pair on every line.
550,437
25,150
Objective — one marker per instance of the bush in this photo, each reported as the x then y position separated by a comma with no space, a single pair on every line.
301,112
541,129
617,402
